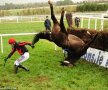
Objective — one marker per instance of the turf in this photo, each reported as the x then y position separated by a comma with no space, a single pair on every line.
46,73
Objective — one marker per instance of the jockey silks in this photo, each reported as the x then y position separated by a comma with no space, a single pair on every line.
20,47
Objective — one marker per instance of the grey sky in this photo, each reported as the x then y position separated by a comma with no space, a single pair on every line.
27,1
22,1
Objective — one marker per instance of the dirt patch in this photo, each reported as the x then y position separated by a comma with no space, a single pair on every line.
5,81
40,79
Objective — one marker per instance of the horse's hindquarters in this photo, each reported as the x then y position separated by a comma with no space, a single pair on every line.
75,42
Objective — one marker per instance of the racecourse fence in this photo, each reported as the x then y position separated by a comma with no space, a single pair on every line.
90,18
18,34
40,18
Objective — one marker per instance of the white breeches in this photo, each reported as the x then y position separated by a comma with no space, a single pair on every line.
23,58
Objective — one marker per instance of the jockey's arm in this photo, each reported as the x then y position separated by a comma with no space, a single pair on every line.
11,53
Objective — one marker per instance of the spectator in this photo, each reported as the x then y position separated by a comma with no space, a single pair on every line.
22,50
47,24
77,20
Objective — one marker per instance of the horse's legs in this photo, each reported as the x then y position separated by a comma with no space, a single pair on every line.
52,13
73,57
63,29
69,60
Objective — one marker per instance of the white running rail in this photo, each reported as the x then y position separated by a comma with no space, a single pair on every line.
18,34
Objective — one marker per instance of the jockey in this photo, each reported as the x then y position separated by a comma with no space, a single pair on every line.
22,50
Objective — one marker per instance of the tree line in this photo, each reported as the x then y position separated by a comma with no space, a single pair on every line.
35,11
9,6
45,10
92,7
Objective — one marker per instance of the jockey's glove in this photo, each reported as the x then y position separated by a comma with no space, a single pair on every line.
5,60
32,46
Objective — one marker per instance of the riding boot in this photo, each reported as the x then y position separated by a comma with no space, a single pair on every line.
26,69
15,69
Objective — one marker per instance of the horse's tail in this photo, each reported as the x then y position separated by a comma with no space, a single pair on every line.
87,45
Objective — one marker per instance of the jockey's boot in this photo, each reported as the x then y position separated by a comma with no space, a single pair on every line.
15,69
26,69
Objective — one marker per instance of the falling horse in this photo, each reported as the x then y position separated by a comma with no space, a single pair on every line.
75,46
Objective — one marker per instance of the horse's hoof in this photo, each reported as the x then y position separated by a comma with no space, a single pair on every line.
70,65
49,2
63,9
66,63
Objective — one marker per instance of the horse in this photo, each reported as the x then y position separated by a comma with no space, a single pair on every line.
100,43
75,46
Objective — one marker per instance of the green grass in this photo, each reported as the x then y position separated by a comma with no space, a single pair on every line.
21,27
45,70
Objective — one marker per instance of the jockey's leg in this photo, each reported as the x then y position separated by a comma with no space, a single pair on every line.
17,64
26,69
15,69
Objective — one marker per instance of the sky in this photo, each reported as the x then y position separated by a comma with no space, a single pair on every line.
2,2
